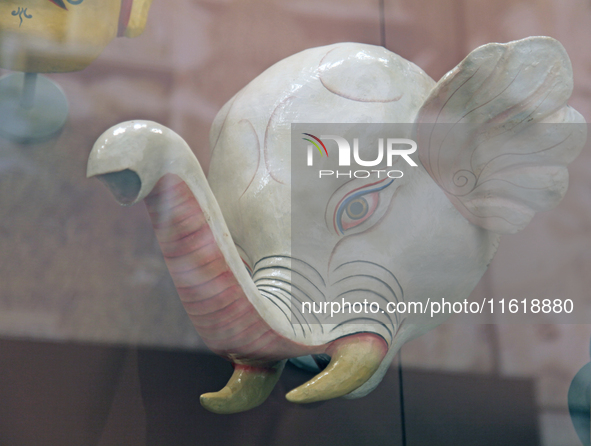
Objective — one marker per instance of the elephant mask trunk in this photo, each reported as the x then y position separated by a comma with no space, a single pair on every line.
146,161
140,160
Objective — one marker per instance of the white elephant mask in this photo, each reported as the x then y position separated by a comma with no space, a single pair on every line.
427,235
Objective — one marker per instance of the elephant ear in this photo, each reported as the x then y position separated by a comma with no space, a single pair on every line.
496,134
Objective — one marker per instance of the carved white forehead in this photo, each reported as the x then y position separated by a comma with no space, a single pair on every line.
341,83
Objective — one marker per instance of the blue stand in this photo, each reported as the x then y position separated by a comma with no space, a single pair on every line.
32,107
579,403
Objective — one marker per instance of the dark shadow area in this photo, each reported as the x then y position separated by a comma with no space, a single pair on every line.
83,394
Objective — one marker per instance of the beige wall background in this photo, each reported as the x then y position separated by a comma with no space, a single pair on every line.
74,265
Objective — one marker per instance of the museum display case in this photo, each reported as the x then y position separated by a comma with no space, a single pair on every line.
107,335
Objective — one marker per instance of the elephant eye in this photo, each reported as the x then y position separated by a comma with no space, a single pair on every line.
357,210
357,206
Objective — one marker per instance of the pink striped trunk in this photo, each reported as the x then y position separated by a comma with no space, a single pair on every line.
220,311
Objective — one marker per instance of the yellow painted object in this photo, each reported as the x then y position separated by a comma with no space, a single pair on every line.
52,36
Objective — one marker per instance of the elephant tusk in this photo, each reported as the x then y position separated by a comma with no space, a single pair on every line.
354,359
247,388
